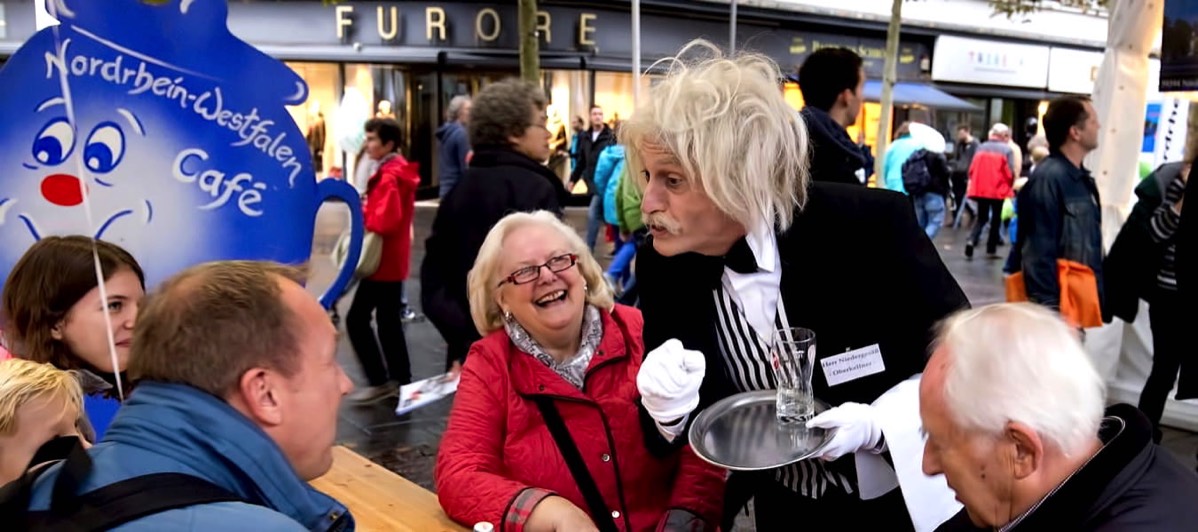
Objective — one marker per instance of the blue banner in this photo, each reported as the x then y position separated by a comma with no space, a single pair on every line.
173,131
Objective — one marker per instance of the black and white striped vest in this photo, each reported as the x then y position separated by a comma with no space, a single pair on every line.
746,355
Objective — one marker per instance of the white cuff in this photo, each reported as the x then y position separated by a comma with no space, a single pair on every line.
671,432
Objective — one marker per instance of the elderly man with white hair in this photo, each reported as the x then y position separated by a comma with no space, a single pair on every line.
1014,416
742,245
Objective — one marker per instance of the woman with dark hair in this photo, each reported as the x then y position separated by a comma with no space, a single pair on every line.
53,313
510,138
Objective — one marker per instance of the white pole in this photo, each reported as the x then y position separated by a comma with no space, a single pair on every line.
636,52
732,30
41,16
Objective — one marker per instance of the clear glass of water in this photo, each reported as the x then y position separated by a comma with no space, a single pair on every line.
793,359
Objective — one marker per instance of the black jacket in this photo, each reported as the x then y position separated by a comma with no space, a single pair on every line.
1130,269
1131,485
1187,282
498,182
856,269
588,156
963,156
835,158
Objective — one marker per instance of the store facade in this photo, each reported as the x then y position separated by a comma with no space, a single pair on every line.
408,59
1012,82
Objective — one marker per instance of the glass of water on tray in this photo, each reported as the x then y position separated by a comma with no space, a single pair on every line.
792,358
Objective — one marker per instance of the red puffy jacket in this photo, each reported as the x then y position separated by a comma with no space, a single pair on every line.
388,210
991,174
497,446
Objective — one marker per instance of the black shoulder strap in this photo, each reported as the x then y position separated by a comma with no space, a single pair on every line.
137,497
15,496
114,504
600,514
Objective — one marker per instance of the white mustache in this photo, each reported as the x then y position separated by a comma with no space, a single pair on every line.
664,222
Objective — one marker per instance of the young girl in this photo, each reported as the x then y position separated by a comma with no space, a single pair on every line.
39,403
53,314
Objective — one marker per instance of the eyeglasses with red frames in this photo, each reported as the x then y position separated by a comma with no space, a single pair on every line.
529,274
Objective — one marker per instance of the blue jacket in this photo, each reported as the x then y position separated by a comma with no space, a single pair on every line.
173,428
607,178
451,157
892,167
1059,218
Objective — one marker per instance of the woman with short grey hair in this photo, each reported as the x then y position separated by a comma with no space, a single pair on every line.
510,139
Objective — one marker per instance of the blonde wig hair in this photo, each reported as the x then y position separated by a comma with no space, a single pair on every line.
22,381
725,120
481,283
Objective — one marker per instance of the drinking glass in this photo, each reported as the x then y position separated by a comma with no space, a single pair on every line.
793,359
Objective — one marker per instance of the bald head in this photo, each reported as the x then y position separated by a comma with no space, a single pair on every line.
210,323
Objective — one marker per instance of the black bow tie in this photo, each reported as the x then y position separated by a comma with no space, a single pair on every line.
740,258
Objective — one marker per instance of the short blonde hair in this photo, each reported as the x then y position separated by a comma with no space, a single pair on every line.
725,120
484,276
22,381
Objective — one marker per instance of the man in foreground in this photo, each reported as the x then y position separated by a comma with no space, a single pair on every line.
237,385
1013,412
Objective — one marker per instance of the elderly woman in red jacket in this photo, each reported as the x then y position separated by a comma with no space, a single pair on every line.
555,346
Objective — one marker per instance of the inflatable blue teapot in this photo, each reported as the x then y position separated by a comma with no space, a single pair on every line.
172,132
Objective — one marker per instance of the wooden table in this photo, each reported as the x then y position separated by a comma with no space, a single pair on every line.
381,500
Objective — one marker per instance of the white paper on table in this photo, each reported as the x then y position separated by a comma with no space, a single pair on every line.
424,392
929,500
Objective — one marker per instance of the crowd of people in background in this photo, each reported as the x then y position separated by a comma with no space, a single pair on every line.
212,401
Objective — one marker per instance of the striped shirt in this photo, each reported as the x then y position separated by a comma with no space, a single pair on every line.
746,356
1164,225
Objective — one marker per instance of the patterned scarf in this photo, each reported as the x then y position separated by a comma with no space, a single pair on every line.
574,368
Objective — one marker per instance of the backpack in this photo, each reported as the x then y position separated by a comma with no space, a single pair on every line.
917,178
104,508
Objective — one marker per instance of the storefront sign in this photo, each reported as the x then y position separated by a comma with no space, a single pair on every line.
913,57
985,62
415,24
1179,46
1073,71
153,127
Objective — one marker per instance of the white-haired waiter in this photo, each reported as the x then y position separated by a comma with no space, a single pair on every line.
742,244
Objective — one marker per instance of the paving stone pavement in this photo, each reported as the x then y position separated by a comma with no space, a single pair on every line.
408,444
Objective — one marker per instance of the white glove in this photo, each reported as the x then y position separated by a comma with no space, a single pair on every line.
856,430
669,381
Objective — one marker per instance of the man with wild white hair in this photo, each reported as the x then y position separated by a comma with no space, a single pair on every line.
741,245
1014,417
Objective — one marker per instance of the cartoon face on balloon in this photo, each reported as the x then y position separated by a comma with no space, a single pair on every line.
151,126
48,199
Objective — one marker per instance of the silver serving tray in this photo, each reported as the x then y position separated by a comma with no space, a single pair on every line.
742,433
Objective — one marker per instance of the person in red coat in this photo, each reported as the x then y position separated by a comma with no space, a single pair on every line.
991,178
387,208
553,339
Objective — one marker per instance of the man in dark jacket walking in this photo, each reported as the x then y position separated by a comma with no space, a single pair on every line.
963,152
1022,433
510,138
1059,208
831,80
590,145
455,144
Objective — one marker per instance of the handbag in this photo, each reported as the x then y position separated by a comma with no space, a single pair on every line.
368,260
1080,306
596,506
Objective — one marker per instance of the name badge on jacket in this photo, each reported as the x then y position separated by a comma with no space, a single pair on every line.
853,365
